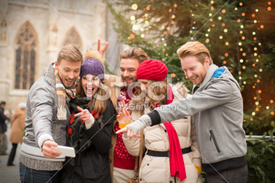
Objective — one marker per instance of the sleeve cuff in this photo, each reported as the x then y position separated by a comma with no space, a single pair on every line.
89,123
155,117
122,125
43,138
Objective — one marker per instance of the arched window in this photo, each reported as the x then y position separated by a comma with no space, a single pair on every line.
25,56
73,38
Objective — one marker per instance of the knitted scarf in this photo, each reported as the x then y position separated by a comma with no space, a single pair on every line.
76,136
63,94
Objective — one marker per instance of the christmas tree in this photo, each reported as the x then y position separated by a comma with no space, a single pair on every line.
239,35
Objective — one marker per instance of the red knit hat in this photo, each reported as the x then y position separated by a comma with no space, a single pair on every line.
152,70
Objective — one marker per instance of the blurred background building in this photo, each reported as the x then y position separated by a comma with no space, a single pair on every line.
33,31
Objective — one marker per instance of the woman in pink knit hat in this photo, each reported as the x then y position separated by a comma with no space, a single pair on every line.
171,148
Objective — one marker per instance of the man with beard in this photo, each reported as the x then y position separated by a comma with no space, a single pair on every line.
122,164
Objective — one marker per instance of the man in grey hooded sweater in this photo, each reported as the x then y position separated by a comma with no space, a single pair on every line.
218,108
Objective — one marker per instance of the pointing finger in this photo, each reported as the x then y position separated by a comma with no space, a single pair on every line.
122,130
79,108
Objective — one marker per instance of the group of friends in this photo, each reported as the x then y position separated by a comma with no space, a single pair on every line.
111,121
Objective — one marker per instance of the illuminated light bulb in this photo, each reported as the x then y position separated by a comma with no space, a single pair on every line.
135,27
134,6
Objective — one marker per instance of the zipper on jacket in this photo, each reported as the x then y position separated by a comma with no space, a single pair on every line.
215,141
54,134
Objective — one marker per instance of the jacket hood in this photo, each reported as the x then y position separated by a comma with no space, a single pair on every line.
211,70
49,74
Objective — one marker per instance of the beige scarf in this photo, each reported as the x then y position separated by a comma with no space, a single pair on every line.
63,94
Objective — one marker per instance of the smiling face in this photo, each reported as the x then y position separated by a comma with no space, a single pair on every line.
90,82
194,69
128,68
68,71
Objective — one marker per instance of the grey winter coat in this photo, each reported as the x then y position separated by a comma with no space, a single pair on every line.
218,109
42,124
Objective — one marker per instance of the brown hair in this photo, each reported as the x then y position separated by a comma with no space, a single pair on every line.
135,52
70,53
100,105
157,89
194,48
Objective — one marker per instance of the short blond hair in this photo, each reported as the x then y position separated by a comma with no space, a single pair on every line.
70,53
194,48
135,52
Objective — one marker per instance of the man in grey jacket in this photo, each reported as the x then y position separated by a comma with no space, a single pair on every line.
47,117
218,108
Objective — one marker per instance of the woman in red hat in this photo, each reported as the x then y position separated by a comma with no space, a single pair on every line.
171,148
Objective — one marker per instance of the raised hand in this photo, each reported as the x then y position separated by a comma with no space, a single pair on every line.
104,48
124,115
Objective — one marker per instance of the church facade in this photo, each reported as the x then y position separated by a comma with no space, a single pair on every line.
33,31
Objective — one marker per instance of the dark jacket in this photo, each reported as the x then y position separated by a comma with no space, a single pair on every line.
3,118
92,164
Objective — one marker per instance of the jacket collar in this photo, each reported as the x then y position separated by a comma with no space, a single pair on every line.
208,76
49,74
